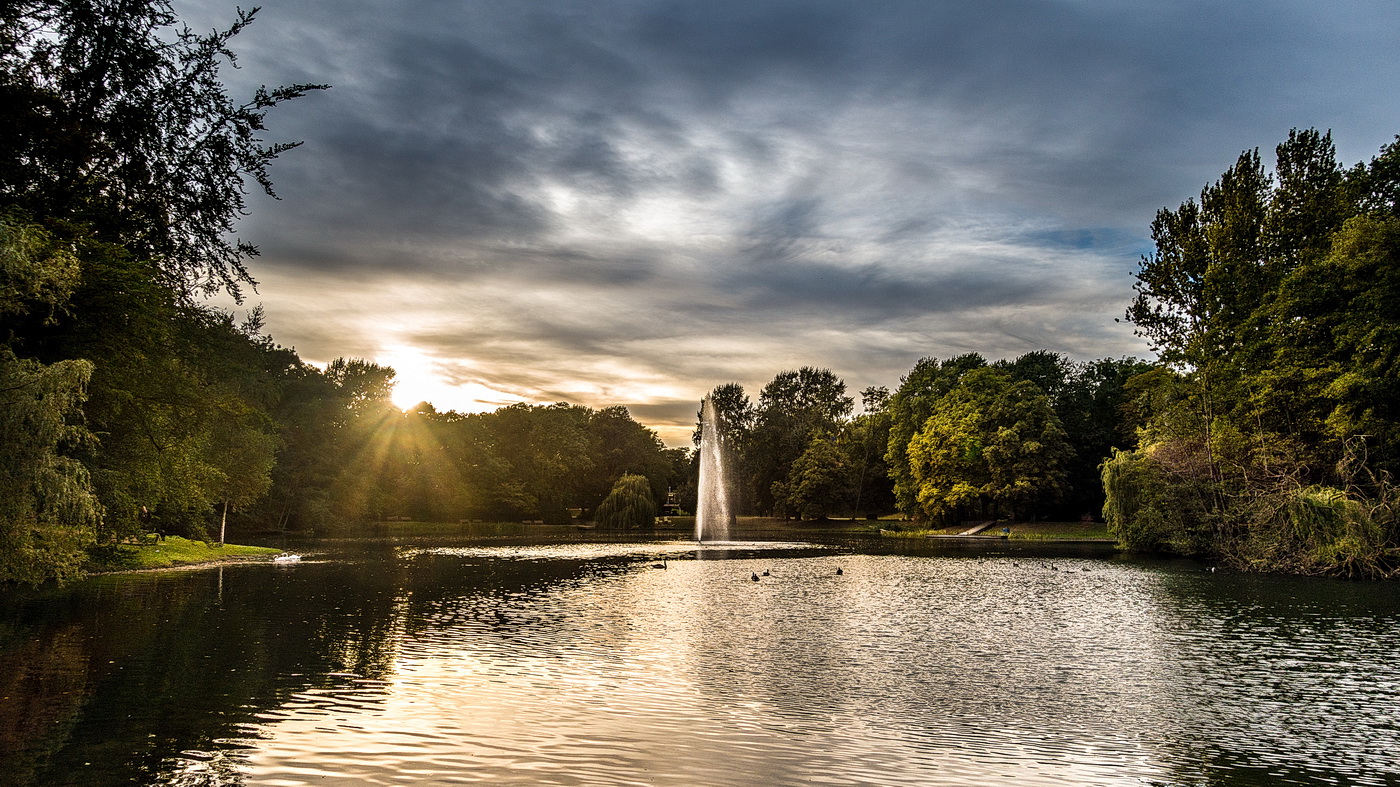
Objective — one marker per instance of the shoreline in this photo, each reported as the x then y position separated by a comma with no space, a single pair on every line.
172,553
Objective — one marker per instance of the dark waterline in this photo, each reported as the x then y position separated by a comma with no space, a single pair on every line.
560,657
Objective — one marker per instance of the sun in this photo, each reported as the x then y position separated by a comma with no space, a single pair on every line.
410,389
420,378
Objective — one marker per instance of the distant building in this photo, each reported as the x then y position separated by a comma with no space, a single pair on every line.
672,506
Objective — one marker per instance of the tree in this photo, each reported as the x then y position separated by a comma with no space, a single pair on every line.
122,144
621,446
1310,201
1329,345
1212,269
364,388
36,275
117,122
1376,188
1274,303
821,481
1150,507
629,505
910,407
1092,407
1209,271
1049,371
177,391
539,456
308,455
47,509
793,408
991,446
864,441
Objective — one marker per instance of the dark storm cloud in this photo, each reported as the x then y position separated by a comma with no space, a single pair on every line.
584,194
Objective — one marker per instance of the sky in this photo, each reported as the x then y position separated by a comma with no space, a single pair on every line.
632,201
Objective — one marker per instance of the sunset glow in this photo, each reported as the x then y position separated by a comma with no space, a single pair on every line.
419,378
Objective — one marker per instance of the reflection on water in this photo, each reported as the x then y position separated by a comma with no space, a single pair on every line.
579,663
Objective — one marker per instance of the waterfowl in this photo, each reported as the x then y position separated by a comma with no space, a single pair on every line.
754,577
765,572
839,572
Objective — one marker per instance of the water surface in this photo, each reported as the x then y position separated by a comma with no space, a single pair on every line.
451,662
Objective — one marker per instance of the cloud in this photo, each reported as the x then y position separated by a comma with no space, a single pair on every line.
631,202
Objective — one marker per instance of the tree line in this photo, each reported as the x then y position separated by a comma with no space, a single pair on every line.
960,438
123,176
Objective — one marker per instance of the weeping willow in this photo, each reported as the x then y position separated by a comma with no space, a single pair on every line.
1320,530
48,512
629,505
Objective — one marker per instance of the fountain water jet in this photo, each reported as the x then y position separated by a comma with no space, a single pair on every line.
712,512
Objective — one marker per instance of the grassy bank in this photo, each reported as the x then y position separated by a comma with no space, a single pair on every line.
1027,531
173,551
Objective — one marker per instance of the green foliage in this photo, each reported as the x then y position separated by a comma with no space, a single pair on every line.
35,273
621,446
821,481
629,505
1328,350
1337,533
793,408
991,445
1090,400
47,508
179,395
519,462
1093,405
122,181
1276,302
864,441
1149,508
910,407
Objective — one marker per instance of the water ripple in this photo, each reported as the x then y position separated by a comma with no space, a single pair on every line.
900,671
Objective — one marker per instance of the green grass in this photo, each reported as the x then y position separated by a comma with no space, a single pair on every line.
1027,531
173,551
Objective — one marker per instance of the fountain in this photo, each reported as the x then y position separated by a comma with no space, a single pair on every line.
712,514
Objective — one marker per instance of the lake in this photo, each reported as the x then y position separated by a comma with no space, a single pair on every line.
543,658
